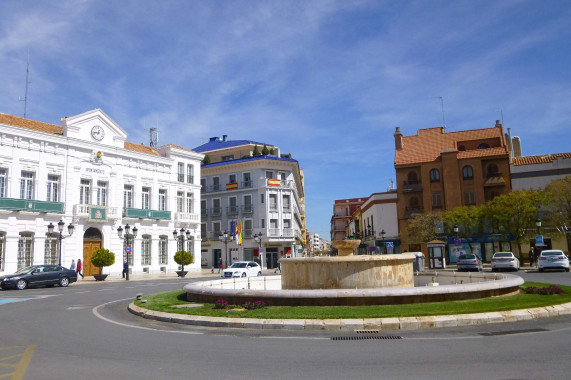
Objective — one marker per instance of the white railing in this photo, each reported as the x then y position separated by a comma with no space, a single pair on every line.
187,217
82,211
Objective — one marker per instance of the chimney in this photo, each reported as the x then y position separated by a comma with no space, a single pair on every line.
516,143
398,138
498,123
224,137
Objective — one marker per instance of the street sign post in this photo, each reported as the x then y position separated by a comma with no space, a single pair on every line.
539,240
457,242
127,249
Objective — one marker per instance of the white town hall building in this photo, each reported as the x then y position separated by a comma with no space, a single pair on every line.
85,172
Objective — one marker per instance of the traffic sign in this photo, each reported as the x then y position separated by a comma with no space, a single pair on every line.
539,240
457,242
390,244
127,249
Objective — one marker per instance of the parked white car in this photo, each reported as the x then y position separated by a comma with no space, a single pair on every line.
552,259
242,269
505,260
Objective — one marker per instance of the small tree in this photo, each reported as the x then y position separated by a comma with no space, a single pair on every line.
102,258
272,152
265,150
467,218
206,160
422,228
558,210
256,151
188,257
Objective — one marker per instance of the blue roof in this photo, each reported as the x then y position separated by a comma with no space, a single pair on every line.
214,164
219,144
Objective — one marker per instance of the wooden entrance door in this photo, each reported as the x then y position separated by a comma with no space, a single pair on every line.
89,246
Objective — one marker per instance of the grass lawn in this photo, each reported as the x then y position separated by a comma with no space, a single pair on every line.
165,301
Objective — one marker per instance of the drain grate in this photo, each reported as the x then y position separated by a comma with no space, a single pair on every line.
366,337
367,331
510,332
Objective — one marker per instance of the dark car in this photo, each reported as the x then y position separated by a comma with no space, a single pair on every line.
469,262
38,275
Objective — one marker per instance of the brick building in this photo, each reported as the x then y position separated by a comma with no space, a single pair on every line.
438,170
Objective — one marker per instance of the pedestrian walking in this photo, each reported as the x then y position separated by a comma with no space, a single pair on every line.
212,270
72,266
220,265
79,268
531,254
125,268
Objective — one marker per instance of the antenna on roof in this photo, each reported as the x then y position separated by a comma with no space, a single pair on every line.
154,137
25,100
442,103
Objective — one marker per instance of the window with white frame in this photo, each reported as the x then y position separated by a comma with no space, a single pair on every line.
203,208
189,203
25,250
27,185
101,193
247,203
128,196
162,200
282,176
269,175
180,201
53,188
287,223
246,180
51,249
163,249
286,202
203,230
216,229
248,228
180,172
2,250
3,176
85,192
273,223
190,173
146,198
215,184
190,245
146,250
273,199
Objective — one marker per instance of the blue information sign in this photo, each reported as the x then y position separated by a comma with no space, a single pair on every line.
539,240
390,244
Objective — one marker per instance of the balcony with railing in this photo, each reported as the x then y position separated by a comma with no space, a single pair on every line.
412,187
85,211
412,211
186,217
146,214
203,212
277,232
246,184
31,205
180,177
248,233
232,210
216,211
247,209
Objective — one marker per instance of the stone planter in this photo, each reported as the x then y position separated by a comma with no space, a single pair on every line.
181,273
100,277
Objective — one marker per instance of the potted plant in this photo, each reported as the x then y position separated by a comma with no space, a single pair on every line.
102,258
188,259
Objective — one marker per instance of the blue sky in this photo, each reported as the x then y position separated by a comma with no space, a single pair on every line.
327,81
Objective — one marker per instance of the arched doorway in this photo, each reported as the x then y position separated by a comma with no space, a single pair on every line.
92,241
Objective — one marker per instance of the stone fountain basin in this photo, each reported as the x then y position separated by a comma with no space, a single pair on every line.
452,286
348,272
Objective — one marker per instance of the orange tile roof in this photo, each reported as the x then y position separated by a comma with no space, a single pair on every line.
140,148
176,147
30,124
539,159
427,145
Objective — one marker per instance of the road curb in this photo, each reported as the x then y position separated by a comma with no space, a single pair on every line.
381,324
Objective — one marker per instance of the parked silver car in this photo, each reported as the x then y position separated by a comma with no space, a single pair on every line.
552,259
469,262
505,260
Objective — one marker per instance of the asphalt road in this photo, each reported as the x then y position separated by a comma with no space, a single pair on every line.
85,330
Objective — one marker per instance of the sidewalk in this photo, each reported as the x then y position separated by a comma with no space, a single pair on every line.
157,276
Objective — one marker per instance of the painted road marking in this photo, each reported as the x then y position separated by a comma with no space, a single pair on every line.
8,300
14,361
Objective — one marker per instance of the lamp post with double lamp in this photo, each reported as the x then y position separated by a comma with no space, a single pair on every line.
128,240
60,226
180,239
225,239
258,239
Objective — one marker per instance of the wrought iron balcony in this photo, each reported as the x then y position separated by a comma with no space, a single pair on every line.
412,211
412,187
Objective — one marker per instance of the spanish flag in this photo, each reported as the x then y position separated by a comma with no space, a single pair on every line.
240,234
232,186
274,182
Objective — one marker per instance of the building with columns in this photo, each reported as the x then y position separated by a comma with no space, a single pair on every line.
84,172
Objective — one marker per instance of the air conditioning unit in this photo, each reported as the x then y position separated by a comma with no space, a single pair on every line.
164,269
146,270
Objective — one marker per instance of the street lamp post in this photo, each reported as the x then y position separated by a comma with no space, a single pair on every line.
538,224
129,239
383,241
181,242
258,238
225,238
60,226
